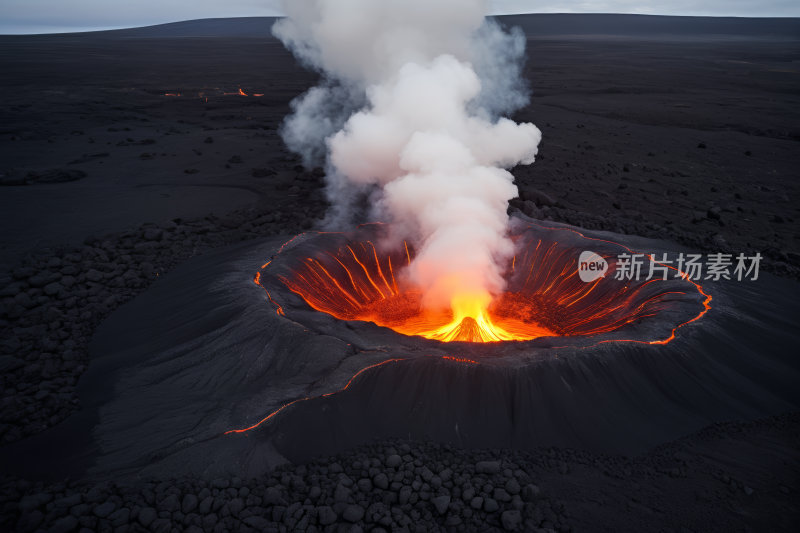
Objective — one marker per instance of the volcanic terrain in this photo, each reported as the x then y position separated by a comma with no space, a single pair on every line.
132,153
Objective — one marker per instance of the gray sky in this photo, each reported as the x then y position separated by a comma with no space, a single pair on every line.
47,16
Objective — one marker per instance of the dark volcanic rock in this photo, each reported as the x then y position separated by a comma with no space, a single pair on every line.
85,158
621,488
538,197
263,172
714,213
353,513
487,467
56,176
676,182
13,179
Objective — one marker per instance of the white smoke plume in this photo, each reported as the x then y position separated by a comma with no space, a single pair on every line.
409,111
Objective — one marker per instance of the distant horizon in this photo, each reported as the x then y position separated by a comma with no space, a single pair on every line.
56,30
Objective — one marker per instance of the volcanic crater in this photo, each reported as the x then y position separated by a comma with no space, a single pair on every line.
359,276
211,372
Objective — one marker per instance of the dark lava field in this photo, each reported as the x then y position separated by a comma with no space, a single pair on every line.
127,154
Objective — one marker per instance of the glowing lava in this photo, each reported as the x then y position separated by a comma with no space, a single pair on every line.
355,284
472,322
544,294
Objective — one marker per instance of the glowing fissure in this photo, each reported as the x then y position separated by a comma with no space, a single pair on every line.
323,288
353,286
277,411
545,296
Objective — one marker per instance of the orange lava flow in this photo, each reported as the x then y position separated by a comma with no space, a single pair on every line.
706,302
358,284
546,299
244,430
257,281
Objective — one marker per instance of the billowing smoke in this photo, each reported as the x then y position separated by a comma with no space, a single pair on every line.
409,115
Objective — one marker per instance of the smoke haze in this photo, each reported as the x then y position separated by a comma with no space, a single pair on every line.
409,113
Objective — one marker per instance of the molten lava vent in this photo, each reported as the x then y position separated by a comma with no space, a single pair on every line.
355,277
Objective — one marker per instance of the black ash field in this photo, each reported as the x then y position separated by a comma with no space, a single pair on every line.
143,167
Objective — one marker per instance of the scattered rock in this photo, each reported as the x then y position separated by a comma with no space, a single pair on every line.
530,209
501,495
105,509
354,513
512,486
511,520
441,503
147,516
326,515
381,481
272,496
281,497
530,493
189,504
538,197
153,234
393,461
488,467
64,525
